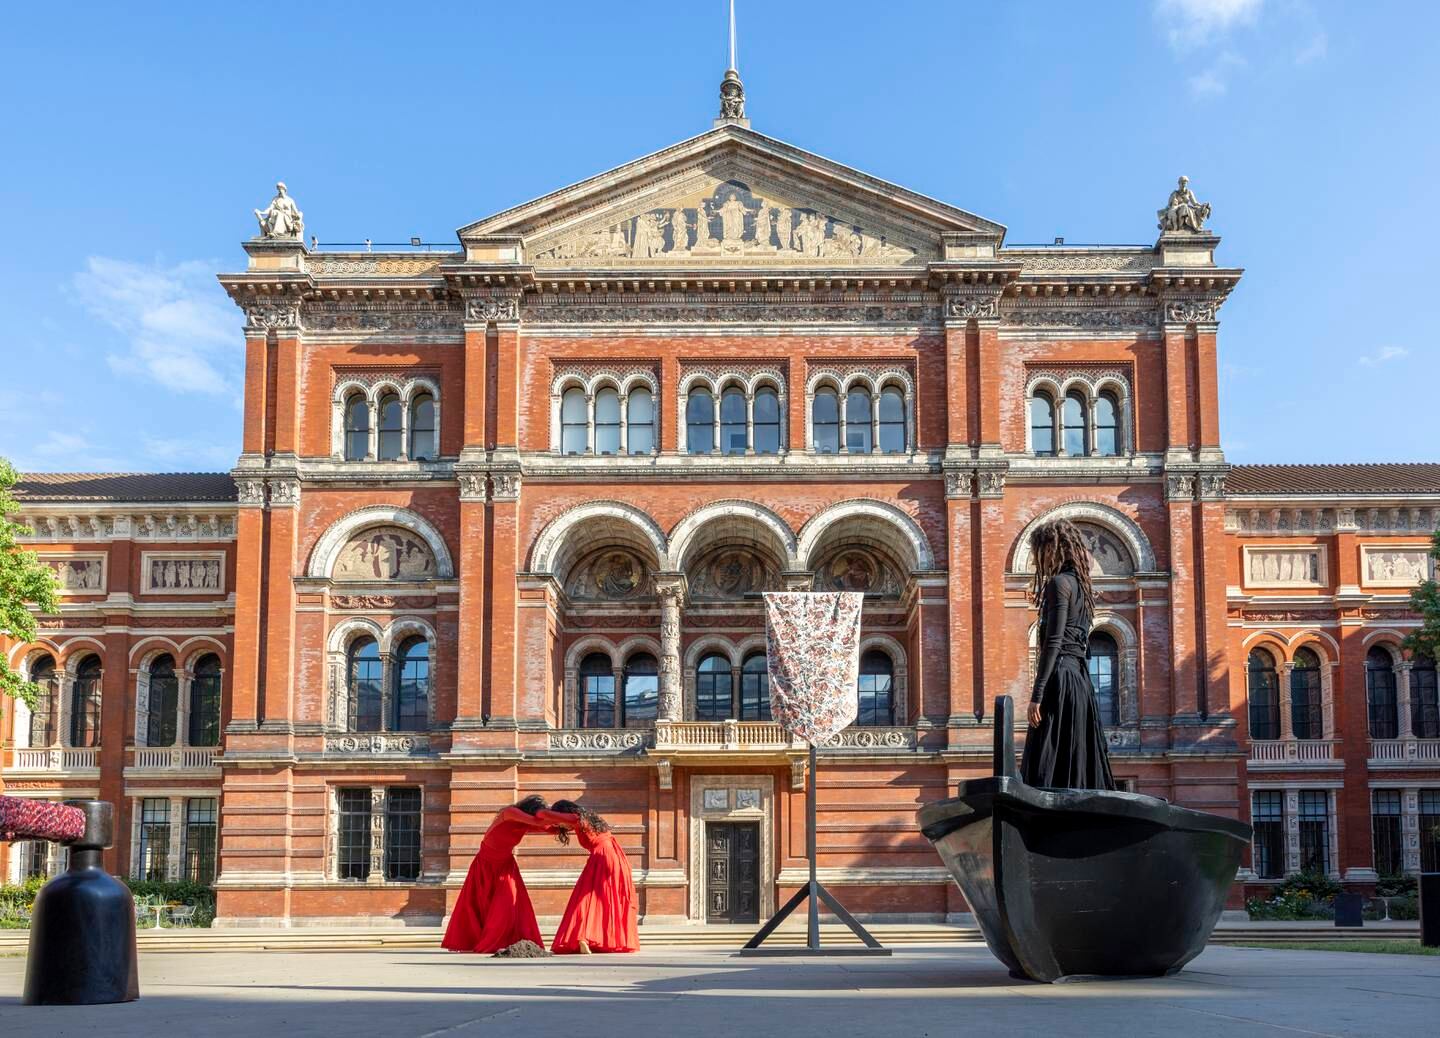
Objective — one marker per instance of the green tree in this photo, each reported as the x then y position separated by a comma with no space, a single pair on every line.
24,582
1425,600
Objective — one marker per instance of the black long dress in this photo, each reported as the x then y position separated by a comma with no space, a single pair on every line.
1068,750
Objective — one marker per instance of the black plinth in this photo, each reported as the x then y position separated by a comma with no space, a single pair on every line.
82,928
1430,909
1349,910
1074,883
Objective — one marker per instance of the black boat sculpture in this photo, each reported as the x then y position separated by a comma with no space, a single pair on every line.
1072,883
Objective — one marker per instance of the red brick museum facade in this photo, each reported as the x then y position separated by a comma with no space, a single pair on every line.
503,514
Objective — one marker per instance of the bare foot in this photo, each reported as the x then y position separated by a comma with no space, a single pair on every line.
585,948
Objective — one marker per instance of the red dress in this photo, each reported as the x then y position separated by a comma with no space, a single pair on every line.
602,906
494,910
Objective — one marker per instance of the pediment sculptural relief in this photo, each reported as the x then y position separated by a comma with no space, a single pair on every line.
732,573
727,224
385,553
612,574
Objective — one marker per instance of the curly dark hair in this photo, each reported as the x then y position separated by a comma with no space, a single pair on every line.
1057,546
588,818
533,804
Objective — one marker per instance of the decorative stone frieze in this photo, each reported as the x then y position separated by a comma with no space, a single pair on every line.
599,740
1025,314
179,573
272,317
1192,311
360,321
973,307
588,310
493,308
865,738
377,743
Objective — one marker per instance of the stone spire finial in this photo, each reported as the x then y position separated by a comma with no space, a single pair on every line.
732,91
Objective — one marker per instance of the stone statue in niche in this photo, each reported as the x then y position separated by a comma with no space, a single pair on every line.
1184,212
281,219
386,553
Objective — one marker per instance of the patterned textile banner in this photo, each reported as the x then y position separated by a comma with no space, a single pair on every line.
813,643
39,819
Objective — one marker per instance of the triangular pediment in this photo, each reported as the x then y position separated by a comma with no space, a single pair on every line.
731,198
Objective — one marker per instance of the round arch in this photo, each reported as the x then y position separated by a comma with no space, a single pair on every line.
560,541
687,533
920,555
327,548
1114,520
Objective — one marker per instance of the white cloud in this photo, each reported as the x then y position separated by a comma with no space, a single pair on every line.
1209,83
1384,355
181,330
1316,49
1198,23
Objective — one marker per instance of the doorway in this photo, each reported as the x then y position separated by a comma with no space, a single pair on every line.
732,872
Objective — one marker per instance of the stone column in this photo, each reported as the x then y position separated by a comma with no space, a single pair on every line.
1402,699
177,832
671,589
1287,721
749,423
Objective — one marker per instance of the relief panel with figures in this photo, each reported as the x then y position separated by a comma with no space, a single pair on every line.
385,553
730,573
612,574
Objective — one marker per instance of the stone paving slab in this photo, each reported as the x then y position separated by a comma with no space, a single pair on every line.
696,994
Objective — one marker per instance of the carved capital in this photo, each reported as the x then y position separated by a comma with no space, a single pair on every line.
1212,486
959,484
992,482
473,486
250,493
505,486
284,493
272,317
1180,487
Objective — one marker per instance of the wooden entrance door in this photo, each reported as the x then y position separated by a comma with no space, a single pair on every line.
732,872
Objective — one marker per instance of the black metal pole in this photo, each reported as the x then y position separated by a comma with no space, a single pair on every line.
814,937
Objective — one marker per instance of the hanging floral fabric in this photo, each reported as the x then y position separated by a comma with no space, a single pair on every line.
813,644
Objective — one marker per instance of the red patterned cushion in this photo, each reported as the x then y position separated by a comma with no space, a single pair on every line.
22,818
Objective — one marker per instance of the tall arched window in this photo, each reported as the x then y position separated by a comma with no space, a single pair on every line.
857,421
767,421
422,428
640,421
1042,425
1380,694
733,409
755,688
825,422
365,690
164,702
85,703
205,702
892,421
574,422
392,427
411,708
607,421
1424,699
712,689
42,718
1264,694
1072,424
1307,717
1104,658
700,422
357,427
597,692
642,690
1107,425
877,689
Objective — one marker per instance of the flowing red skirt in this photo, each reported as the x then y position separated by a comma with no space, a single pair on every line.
602,906
493,910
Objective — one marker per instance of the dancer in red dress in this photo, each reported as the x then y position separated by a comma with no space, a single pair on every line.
493,910
601,914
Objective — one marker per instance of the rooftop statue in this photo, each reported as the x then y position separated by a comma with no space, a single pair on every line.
282,219
1183,212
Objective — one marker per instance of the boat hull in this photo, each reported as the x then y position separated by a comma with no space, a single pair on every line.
1069,883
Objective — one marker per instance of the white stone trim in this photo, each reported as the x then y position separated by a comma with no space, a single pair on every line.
547,551
1114,520
340,532
685,533
812,533
699,815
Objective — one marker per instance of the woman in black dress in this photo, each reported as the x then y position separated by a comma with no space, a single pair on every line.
1065,748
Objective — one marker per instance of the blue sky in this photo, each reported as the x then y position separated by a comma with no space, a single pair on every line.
141,136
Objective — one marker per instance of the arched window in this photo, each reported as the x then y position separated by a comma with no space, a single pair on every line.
857,421
574,422
164,702
205,702
877,689
1104,658
422,428
365,690
42,718
357,428
1264,693
640,421
825,422
1424,702
1380,694
712,689
392,427
1042,425
597,692
411,709
1072,423
755,688
1307,717
892,421
85,703
1107,425
607,421
642,690
733,408
767,421
700,422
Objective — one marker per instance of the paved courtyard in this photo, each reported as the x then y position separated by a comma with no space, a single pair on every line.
693,994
